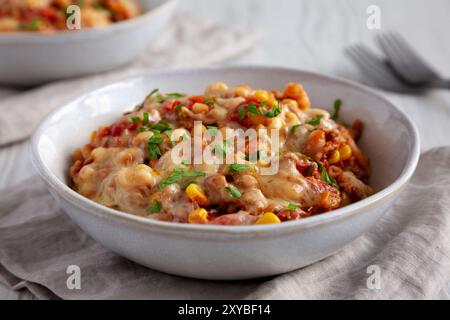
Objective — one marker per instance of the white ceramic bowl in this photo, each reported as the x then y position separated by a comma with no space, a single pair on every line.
223,252
28,58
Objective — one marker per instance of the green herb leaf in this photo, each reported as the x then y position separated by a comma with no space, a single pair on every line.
310,170
241,113
161,126
294,127
98,5
134,119
236,167
221,149
274,112
155,207
170,96
212,130
337,108
152,93
292,206
145,120
34,24
209,101
234,192
326,177
153,145
178,175
252,109
316,120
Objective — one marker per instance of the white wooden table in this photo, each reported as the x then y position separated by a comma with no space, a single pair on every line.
312,35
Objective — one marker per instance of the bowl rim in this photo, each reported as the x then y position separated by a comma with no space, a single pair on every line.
88,33
104,212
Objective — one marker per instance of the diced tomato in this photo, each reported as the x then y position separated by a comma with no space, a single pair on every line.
197,99
76,167
117,128
170,105
103,132
49,14
303,166
288,215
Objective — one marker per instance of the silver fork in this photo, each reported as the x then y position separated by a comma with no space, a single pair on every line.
377,70
408,65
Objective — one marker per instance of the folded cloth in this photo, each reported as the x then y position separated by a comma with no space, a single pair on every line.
408,250
182,44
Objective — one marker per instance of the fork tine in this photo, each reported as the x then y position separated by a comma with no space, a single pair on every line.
404,60
375,69
413,57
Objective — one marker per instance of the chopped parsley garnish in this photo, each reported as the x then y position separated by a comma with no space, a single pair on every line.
236,167
292,206
337,108
234,192
294,127
178,175
34,24
325,177
221,149
274,112
160,126
145,120
170,96
316,120
252,109
134,119
212,130
155,207
241,113
99,6
152,93
209,101
185,162
310,170
153,145
256,109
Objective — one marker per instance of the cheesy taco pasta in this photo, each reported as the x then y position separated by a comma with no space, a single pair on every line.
51,15
129,165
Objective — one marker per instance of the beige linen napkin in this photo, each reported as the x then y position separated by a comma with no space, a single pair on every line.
181,44
410,245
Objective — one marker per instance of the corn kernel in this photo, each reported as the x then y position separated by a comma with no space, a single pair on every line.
275,123
219,89
242,91
290,116
199,216
261,95
335,157
200,107
345,152
268,218
291,103
272,102
195,193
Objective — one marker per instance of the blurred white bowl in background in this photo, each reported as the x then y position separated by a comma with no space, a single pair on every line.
28,58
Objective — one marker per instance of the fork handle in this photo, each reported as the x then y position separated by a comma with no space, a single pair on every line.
441,84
